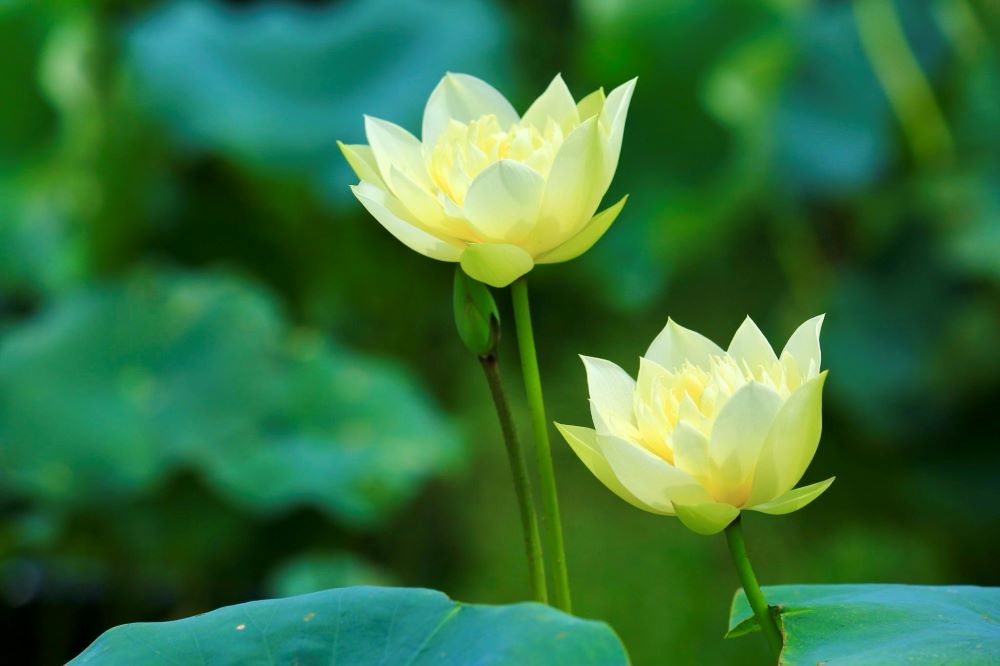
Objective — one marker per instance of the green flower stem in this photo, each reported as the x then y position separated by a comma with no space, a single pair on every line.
555,551
738,549
519,470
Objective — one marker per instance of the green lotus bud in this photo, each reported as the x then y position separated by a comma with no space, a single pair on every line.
476,315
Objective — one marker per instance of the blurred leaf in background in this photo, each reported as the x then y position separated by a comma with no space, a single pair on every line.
279,85
117,388
167,371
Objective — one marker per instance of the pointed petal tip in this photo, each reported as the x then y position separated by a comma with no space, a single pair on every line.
564,429
587,237
793,500
592,360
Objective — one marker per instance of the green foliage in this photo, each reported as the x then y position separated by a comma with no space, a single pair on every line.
293,81
315,571
192,468
200,372
881,624
364,625
25,116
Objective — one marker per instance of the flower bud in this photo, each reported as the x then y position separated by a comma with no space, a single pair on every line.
476,315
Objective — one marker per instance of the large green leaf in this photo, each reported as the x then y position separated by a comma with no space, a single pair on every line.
278,85
364,625
115,386
881,624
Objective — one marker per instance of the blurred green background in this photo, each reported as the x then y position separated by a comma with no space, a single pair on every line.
221,380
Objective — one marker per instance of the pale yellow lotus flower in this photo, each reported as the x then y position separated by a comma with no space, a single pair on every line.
488,188
705,433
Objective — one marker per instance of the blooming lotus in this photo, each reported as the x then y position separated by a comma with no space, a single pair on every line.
705,433
493,190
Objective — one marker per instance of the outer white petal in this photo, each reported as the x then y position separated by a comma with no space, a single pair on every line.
651,479
503,201
555,103
386,210
749,345
802,351
793,500
463,98
676,344
790,444
586,238
611,389
573,189
650,375
496,264
584,444
738,434
419,202
362,160
394,146
691,451
617,103
706,518
613,122
591,105
457,225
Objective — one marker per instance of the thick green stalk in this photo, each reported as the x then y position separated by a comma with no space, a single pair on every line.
555,551
522,487
738,549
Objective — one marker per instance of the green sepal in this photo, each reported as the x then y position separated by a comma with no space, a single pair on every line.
476,315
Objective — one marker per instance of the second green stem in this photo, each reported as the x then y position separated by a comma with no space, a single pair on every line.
522,487
555,550
738,549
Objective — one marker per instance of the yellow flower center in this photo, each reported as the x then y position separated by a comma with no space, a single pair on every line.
464,150
693,395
